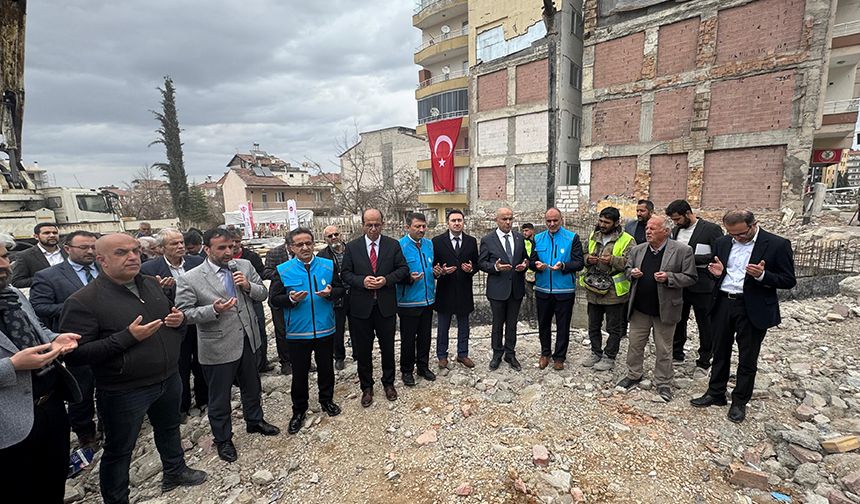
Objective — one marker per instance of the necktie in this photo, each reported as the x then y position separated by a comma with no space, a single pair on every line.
228,283
457,245
88,274
373,256
508,248
418,244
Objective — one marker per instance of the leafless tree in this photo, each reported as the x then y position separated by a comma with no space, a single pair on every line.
146,196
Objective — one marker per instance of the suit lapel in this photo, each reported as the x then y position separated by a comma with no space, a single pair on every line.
668,252
6,343
214,281
69,272
362,255
759,248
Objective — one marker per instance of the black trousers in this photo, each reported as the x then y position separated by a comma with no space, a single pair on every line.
188,365
35,469
616,326
300,351
730,323
220,378
701,307
363,332
339,350
416,325
263,351
505,315
81,414
560,306
280,335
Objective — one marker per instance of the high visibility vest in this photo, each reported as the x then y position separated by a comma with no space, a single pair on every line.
622,284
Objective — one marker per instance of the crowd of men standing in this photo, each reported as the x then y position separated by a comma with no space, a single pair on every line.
120,336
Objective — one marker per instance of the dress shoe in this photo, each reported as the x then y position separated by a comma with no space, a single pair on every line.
330,408
296,422
665,392
366,397
286,369
390,393
183,417
408,379
628,383
91,440
515,364
427,374
558,365
264,428
494,363
543,362
338,364
266,367
708,400
737,412
466,361
443,363
188,477
227,451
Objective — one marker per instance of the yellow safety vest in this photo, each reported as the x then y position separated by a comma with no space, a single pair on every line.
622,284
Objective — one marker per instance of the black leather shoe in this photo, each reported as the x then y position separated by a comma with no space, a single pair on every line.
515,364
286,369
366,398
494,363
338,364
264,428
266,367
330,408
737,412
665,392
427,374
628,383
408,379
708,400
227,451
390,392
296,422
188,477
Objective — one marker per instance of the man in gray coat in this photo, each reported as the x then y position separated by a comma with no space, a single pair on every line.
659,270
217,296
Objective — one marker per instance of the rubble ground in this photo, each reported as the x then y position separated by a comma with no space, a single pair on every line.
550,436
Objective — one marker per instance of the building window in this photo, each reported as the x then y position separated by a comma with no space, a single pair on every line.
572,175
577,24
576,127
280,197
265,197
317,196
449,104
575,75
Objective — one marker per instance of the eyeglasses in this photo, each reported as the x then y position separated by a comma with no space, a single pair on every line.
333,235
742,233
303,244
82,247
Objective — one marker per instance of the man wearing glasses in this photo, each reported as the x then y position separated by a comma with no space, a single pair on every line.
372,265
334,251
749,265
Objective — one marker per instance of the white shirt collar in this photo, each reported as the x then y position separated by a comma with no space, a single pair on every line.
212,265
501,234
451,236
749,243
45,252
181,263
368,241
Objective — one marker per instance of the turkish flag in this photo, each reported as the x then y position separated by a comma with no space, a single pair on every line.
443,137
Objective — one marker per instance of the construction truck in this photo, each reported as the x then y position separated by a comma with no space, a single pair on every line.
24,198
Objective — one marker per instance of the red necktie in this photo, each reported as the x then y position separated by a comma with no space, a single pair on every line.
373,256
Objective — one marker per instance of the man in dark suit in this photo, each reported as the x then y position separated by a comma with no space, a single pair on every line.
372,265
702,237
636,227
194,243
749,265
274,258
50,289
44,254
455,263
503,257
166,269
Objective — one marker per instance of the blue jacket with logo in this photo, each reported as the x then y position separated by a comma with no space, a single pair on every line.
563,246
313,316
420,292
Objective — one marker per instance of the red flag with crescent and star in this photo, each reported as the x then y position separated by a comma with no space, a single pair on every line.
443,137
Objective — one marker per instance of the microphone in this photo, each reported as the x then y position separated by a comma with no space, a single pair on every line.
233,266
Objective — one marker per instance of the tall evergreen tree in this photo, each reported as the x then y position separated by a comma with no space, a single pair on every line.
169,137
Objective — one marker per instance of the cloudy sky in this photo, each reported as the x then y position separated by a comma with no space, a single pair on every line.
294,76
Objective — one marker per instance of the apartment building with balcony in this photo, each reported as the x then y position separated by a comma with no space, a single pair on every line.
442,92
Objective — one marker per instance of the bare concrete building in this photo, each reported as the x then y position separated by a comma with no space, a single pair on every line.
710,100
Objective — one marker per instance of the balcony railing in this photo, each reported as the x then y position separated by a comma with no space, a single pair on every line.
442,37
456,74
420,5
841,106
446,115
849,28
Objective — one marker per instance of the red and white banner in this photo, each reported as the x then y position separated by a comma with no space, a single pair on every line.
247,220
826,156
443,137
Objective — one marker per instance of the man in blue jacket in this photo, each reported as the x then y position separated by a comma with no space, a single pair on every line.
415,297
555,258
306,288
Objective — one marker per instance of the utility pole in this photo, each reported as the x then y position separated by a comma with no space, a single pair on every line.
549,12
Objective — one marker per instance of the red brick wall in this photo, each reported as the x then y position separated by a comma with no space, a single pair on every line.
759,29
743,178
616,122
492,183
673,111
618,61
759,103
493,90
668,179
676,47
613,177
532,82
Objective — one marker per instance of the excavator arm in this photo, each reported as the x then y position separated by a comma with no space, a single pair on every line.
12,22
